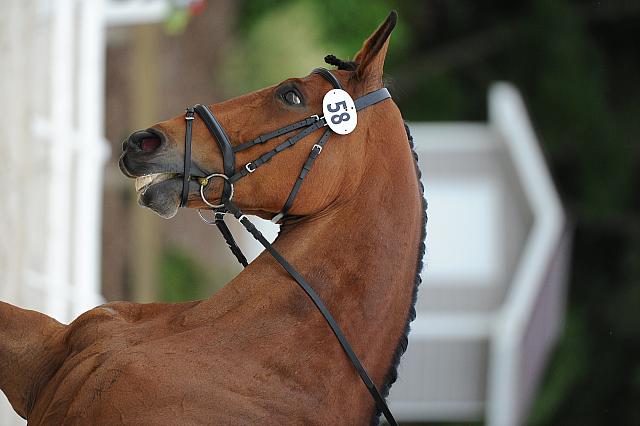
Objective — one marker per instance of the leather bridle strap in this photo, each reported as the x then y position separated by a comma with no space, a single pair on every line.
228,237
229,161
186,176
271,135
328,75
224,144
317,301
251,166
315,151
372,98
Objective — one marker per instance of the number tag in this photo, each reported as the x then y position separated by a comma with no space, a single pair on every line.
339,111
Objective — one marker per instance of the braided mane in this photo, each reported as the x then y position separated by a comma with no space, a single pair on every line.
342,65
392,374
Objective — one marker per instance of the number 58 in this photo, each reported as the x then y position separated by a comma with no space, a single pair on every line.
338,118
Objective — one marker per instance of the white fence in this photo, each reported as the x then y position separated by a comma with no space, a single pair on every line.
52,154
492,301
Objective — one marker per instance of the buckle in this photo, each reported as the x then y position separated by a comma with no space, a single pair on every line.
188,117
315,117
317,146
249,169
217,216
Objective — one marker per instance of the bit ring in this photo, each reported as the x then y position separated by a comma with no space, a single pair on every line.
205,182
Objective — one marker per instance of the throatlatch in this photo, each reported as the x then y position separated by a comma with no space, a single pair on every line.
231,176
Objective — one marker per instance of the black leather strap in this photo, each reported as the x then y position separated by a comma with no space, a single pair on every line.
253,165
328,75
186,172
216,129
315,151
311,293
283,131
372,98
228,237
362,102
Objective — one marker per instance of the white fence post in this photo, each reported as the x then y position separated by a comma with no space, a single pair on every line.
59,179
91,153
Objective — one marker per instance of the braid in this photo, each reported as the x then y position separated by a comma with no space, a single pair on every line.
342,65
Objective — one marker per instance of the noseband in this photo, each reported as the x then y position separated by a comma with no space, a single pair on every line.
231,176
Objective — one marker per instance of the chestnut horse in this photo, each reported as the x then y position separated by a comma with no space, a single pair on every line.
257,352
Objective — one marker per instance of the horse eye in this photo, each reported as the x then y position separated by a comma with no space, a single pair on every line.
292,98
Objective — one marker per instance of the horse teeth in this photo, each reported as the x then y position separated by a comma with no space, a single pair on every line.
144,182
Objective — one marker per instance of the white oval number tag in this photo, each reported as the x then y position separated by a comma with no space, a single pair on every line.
339,111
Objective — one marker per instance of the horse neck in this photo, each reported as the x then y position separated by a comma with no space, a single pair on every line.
361,255
31,349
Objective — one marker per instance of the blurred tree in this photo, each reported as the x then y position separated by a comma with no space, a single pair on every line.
289,38
181,278
292,50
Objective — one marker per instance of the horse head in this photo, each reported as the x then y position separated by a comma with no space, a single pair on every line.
155,156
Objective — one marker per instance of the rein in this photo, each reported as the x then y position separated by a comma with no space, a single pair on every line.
226,206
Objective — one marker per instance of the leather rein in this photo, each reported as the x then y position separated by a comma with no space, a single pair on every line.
226,205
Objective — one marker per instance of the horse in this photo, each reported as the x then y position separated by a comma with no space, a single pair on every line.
256,352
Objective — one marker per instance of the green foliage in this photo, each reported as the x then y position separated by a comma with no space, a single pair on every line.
447,99
568,81
345,25
289,38
181,277
569,366
292,50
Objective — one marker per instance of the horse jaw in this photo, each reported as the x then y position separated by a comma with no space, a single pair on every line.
163,197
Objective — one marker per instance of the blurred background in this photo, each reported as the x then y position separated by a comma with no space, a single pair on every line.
77,76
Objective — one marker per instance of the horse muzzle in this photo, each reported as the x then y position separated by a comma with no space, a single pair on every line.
148,158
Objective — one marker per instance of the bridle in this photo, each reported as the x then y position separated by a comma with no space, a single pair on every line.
230,176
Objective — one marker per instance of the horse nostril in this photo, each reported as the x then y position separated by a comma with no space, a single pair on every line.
150,143
144,140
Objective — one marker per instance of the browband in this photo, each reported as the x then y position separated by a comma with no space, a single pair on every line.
372,98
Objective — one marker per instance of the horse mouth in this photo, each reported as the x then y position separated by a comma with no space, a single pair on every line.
160,192
142,183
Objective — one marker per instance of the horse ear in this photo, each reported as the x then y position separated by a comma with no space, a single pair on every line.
371,56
